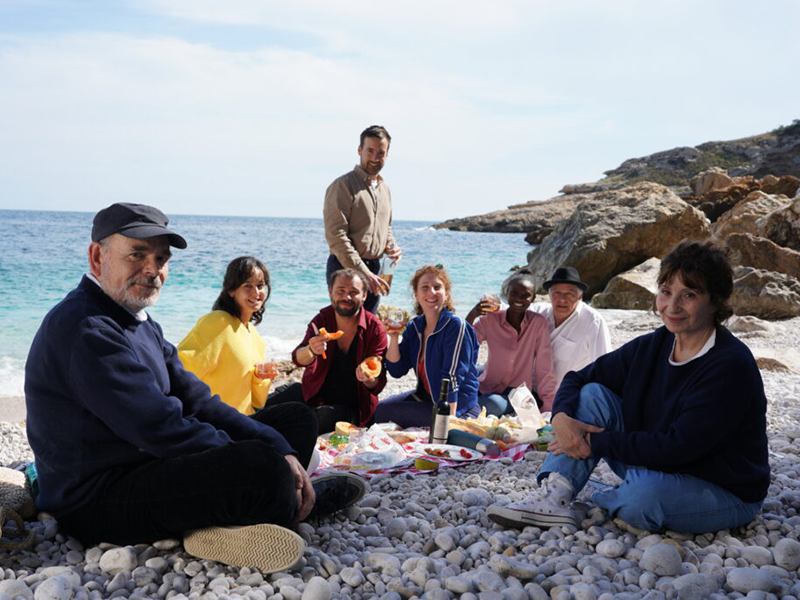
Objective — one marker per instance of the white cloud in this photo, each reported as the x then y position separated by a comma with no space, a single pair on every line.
489,105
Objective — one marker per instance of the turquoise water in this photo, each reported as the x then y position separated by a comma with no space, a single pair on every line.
43,256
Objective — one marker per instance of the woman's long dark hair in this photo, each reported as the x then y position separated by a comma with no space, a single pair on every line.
240,270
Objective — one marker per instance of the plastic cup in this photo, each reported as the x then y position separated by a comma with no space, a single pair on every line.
395,319
493,301
266,370
387,271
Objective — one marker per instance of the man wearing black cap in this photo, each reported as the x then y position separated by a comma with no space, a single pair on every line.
132,448
578,333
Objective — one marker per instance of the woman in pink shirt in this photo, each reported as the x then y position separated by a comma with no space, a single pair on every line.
519,348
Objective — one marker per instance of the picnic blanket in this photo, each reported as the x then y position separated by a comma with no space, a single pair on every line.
328,455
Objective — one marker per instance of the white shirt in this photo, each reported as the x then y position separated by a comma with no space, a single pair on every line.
578,341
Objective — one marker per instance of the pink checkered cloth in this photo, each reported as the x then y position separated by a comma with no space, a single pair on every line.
328,455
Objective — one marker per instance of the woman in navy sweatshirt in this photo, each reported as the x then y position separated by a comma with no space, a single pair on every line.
679,414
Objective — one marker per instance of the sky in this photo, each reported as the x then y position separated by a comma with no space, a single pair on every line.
253,107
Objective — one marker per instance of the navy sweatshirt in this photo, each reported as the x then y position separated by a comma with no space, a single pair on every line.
105,390
706,418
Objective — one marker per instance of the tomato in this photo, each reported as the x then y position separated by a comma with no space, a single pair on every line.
465,453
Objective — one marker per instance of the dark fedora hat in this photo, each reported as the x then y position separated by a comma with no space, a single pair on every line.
137,221
566,275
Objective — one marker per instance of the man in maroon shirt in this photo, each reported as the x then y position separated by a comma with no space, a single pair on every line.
334,381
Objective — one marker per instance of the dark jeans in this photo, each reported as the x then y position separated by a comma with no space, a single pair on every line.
327,415
373,264
243,483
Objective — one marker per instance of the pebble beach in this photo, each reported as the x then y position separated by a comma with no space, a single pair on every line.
427,535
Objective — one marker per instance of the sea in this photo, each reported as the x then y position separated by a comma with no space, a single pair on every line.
43,255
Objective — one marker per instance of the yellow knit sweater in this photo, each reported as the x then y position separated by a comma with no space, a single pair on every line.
223,352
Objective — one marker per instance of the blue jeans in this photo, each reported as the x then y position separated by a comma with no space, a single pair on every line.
648,499
496,404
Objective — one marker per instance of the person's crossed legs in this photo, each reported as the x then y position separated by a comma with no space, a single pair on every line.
646,499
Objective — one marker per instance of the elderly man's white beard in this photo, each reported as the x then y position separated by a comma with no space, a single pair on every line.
125,297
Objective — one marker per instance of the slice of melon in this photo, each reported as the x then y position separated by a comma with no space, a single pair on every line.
330,336
371,366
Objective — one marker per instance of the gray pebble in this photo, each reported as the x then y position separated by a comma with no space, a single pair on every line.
695,585
583,591
352,576
396,527
488,581
611,548
54,588
117,560
317,588
787,554
756,555
661,559
383,561
746,579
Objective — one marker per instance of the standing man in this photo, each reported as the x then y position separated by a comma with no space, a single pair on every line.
358,216
333,381
578,333
131,448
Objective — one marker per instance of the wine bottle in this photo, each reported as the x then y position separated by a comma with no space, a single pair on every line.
440,420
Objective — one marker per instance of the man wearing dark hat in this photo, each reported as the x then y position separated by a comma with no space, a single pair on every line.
132,448
578,333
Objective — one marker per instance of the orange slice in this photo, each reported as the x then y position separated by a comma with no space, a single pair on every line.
371,366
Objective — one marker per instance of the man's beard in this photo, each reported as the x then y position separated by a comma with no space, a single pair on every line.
344,311
126,298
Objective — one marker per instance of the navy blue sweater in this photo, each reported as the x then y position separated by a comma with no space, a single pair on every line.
104,390
706,418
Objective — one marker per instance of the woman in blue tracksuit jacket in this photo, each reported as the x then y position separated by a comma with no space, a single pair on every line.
437,345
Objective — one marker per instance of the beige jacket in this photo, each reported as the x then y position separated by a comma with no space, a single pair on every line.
358,218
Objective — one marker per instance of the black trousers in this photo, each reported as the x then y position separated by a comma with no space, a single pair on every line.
327,415
243,483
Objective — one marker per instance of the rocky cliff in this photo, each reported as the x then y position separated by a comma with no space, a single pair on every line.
776,153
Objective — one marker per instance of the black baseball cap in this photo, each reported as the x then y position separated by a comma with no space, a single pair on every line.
137,221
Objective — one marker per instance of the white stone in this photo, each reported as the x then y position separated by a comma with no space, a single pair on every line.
695,585
756,555
67,573
487,581
352,576
317,588
117,560
54,588
15,588
382,561
396,528
583,591
787,554
661,559
747,579
612,548
458,585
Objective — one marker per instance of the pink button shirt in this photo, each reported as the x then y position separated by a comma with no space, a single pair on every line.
514,357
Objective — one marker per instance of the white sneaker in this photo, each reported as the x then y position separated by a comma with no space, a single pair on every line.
267,547
548,506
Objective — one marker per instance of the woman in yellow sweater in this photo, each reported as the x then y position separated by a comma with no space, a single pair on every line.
224,347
